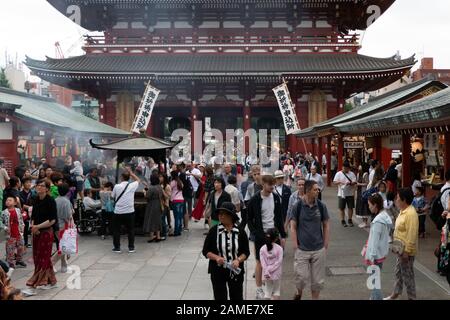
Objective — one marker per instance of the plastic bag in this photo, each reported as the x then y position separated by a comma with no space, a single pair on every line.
69,241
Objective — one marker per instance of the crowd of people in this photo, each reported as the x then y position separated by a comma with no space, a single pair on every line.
265,208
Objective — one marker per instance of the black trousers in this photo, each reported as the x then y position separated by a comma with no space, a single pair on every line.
119,220
221,279
422,220
105,228
26,232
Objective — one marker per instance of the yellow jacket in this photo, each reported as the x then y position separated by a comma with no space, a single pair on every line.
407,229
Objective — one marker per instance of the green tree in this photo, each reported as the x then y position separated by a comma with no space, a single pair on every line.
3,81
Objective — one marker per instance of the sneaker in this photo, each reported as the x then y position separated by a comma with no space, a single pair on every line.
9,273
29,291
350,223
362,225
260,294
186,229
48,286
389,298
21,264
344,224
131,250
28,245
206,226
116,250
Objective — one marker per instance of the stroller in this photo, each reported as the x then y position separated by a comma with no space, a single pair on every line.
86,221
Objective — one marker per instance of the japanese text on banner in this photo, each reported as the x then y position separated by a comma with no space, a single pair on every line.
288,114
144,112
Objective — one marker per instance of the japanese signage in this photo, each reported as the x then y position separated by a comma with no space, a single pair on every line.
286,108
354,145
392,142
431,141
144,112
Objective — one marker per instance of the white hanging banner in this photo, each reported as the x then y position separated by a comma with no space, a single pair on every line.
287,110
145,110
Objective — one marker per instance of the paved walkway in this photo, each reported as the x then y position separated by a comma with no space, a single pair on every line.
175,269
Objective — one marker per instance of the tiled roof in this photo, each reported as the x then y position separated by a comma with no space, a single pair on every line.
220,64
433,110
36,109
375,104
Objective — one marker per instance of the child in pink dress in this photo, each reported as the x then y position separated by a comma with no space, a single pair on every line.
271,256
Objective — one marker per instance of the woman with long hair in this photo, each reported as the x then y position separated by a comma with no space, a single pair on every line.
153,211
177,200
167,192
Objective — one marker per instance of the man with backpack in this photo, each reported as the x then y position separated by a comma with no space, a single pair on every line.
440,204
310,233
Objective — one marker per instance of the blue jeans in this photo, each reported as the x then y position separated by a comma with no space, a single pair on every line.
178,213
164,226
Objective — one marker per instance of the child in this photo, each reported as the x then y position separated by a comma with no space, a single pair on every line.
271,256
77,171
14,227
422,207
107,209
392,211
382,189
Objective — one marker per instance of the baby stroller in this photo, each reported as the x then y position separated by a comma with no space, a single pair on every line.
86,221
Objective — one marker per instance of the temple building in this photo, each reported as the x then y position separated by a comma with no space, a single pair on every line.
218,61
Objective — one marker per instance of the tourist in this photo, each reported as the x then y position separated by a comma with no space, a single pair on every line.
310,232
42,220
271,256
300,171
362,209
34,172
406,244
25,197
324,163
177,200
199,207
227,247
77,171
233,191
315,176
195,175
420,204
288,170
153,211
382,190
4,181
217,198
256,186
188,195
333,165
346,182
445,193
293,199
391,177
209,188
65,212
14,228
56,180
227,172
90,204
377,247
265,212
165,218
92,183
107,209
48,172
123,195
41,174
283,191
244,185
13,190
417,182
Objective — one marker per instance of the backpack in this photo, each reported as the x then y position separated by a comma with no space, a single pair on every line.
297,209
437,208
187,186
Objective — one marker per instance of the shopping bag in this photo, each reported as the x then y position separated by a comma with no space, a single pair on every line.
69,241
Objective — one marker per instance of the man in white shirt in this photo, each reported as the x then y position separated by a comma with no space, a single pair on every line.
445,196
123,196
346,182
233,191
317,178
324,163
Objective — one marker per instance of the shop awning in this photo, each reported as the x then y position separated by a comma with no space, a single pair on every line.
429,114
44,111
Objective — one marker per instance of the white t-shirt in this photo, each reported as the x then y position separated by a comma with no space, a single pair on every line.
345,190
279,190
317,178
371,175
416,184
234,193
126,202
268,212
192,178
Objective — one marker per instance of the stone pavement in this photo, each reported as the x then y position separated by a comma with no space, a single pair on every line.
175,269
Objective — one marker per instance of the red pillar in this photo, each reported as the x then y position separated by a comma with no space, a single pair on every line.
329,161
247,122
446,152
340,152
406,160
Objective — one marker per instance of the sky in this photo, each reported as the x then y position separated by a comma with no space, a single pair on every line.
31,27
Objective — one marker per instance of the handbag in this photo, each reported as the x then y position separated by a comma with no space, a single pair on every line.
69,241
398,247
